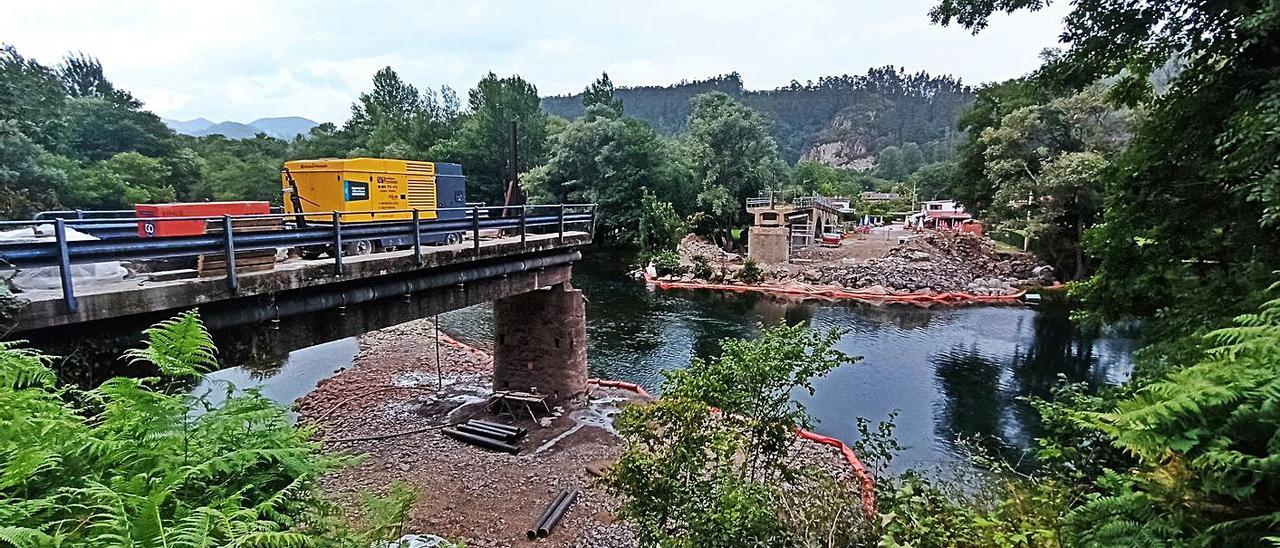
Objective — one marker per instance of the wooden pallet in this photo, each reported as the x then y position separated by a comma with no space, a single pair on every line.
215,264
243,225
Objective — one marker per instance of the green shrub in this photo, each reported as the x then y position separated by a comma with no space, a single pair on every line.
129,464
666,263
709,464
750,273
702,267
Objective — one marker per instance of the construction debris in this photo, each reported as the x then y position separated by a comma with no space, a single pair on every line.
929,263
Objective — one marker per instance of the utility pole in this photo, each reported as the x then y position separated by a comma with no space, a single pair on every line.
514,195
1026,231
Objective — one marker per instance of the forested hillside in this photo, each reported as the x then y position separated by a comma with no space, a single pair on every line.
844,121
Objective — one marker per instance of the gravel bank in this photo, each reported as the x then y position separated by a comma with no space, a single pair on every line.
467,493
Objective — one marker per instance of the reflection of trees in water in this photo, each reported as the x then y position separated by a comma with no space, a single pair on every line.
904,317
977,404
974,402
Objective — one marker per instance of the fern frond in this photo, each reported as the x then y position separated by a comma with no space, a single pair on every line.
179,346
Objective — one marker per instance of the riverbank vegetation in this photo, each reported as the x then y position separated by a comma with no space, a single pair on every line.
138,462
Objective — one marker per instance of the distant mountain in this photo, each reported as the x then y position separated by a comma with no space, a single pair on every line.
844,121
285,127
281,128
189,126
230,130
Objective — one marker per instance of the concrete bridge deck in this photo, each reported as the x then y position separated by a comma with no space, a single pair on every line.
45,309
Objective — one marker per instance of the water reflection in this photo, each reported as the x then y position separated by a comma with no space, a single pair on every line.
949,372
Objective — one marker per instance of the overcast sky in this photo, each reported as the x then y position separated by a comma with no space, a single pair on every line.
241,60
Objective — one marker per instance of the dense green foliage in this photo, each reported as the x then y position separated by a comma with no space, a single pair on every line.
70,139
1046,165
708,464
130,464
1179,213
885,107
1190,205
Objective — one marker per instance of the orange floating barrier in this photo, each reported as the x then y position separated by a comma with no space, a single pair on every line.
831,293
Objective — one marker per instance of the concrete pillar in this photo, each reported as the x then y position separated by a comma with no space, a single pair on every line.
769,245
541,342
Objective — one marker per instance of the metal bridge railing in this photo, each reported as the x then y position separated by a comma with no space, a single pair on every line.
305,229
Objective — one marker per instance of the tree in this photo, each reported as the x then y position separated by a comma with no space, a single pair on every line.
891,164
28,183
100,128
912,157
1047,165
387,114
82,76
661,228
31,97
483,141
707,464
933,181
606,159
1191,208
119,182
992,103
600,92
732,157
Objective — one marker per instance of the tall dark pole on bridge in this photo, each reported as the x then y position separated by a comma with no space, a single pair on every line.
514,196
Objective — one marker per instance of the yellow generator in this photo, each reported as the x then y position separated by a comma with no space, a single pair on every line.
383,188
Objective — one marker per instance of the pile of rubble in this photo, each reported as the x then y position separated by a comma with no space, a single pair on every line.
944,261
935,262
693,246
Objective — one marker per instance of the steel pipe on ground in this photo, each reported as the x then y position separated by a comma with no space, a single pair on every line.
480,441
548,525
478,430
532,533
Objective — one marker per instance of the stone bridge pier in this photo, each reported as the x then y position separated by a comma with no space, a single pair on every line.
541,342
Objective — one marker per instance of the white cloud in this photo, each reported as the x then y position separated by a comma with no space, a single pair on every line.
240,59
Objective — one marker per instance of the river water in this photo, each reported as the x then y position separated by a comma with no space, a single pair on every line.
948,372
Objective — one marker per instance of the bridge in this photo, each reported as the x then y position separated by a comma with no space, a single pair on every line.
519,257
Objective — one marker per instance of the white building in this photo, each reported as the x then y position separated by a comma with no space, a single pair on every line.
938,214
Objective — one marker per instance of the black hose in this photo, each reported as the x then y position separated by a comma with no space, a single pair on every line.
549,524
532,533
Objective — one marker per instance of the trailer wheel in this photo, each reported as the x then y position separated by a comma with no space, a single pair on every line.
357,248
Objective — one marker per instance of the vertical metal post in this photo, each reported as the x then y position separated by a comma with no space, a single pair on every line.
337,243
79,214
592,229
524,212
475,228
560,240
229,248
64,265
417,238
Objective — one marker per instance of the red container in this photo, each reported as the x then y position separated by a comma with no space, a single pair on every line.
160,229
